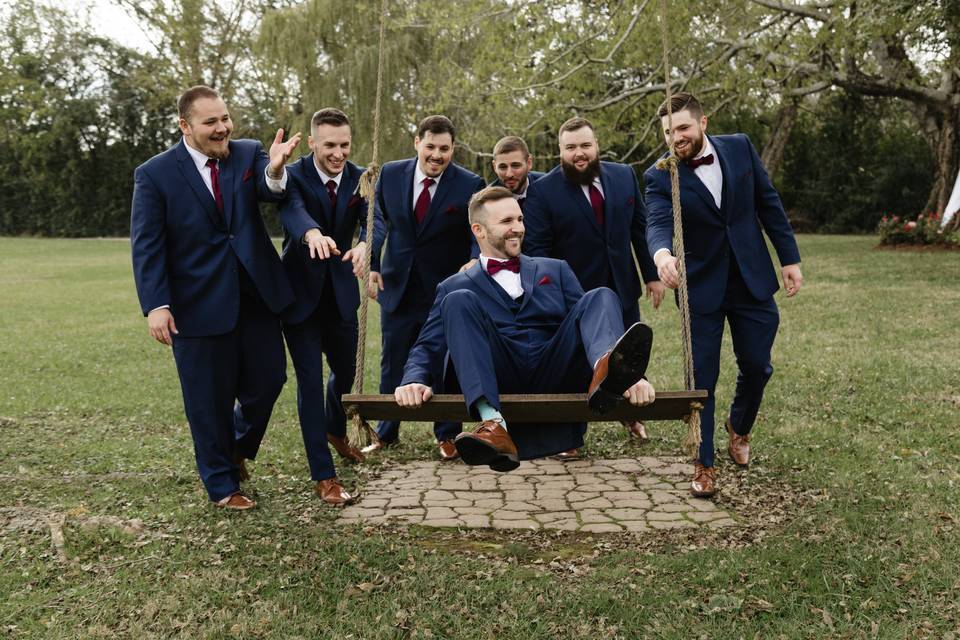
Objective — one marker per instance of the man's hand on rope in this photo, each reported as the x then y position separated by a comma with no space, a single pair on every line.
668,269
374,284
655,291
469,264
161,324
356,256
280,152
792,279
413,395
321,246
640,394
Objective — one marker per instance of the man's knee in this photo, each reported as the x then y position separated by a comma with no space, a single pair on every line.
456,302
758,373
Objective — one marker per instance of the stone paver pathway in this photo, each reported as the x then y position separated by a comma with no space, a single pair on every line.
594,496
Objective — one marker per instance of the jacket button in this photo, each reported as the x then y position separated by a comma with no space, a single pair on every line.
231,236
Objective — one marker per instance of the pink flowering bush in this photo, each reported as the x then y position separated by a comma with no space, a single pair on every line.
925,230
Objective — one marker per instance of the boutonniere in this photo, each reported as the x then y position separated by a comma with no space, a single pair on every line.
247,174
545,280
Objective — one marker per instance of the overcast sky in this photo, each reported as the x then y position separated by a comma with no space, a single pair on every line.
110,20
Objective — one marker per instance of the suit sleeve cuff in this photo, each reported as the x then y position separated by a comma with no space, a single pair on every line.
163,306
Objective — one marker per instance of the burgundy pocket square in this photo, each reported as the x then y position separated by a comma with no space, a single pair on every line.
452,209
353,201
247,174
545,280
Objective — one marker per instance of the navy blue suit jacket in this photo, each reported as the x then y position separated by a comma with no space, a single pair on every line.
532,177
550,292
307,206
186,255
560,224
749,203
434,249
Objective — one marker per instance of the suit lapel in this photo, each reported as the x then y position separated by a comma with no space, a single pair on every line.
319,190
609,202
344,192
227,187
528,275
406,196
726,176
689,179
189,171
486,284
575,194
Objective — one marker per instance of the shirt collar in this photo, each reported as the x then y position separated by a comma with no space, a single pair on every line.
484,259
323,174
523,194
199,158
707,148
419,175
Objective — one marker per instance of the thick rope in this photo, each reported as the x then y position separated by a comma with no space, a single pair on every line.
691,441
362,431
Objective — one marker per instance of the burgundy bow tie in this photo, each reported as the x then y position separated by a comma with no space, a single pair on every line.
693,163
493,266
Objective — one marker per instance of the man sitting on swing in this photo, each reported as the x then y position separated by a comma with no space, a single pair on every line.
516,324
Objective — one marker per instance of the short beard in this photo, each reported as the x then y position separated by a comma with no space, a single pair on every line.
585,177
501,244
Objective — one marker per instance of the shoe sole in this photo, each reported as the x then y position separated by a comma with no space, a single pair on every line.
703,494
627,364
742,465
475,452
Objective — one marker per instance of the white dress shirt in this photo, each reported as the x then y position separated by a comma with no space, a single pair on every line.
508,280
418,177
325,178
522,194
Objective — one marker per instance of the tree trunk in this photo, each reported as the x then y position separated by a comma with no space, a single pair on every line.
772,155
946,158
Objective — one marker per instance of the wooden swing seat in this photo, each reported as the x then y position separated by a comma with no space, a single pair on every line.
549,407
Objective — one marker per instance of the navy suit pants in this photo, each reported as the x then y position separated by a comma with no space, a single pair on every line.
400,329
323,333
488,363
230,383
753,327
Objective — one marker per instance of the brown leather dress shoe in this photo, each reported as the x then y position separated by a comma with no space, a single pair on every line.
333,493
739,447
448,450
567,456
346,450
704,484
620,368
637,430
236,502
488,444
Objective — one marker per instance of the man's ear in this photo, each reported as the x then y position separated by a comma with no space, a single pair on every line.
184,126
703,123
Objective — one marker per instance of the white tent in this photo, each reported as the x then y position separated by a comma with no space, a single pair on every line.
953,205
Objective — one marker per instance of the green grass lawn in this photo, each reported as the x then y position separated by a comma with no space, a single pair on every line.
851,520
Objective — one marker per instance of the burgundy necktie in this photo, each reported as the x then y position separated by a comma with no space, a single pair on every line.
215,183
423,201
332,192
494,266
693,163
596,201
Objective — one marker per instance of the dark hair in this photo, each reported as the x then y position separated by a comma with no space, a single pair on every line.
437,125
680,102
575,123
329,115
509,144
482,197
191,95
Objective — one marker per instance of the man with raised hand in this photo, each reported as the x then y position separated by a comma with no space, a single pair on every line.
515,324
211,284
320,215
421,214
591,214
728,203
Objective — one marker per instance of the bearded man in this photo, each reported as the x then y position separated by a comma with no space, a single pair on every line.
728,203
591,213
